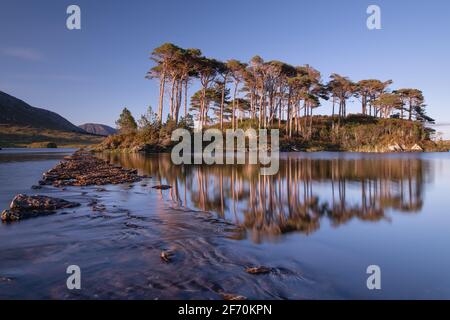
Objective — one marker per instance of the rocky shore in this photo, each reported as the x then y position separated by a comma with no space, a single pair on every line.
79,169
83,169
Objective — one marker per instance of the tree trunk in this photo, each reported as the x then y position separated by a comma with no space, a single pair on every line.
179,97
233,117
162,84
185,97
364,104
172,98
202,106
410,109
222,102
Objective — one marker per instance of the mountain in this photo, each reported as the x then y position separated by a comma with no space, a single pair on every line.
22,125
16,112
98,129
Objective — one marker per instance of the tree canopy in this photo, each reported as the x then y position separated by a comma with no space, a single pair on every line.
268,92
126,123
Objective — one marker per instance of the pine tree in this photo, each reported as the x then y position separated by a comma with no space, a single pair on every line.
126,122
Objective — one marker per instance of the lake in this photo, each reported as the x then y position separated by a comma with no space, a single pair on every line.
318,224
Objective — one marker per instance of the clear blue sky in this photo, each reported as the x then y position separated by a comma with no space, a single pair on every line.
89,75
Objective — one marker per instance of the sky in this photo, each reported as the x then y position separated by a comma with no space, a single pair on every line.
89,75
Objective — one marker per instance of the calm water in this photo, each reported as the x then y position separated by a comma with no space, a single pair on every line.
319,223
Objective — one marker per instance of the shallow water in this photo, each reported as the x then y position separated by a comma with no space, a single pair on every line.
318,224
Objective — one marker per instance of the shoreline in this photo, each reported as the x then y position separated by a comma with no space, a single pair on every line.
394,148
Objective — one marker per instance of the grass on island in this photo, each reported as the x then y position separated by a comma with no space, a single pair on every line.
19,137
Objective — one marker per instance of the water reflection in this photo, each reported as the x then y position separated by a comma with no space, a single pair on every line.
305,193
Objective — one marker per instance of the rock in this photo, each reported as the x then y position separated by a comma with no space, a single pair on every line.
6,215
258,270
23,206
83,169
35,187
162,187
416,147
100,208
37,202
5,279
92,203
166,256
231,296
395,147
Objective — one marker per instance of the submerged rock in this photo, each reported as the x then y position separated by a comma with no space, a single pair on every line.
258,270
5,279
23,206
166,256
162,187
231,296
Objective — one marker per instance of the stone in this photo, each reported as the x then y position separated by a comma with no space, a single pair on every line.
395,147
162,187
231,296
166,256
416,147
23,206
258,270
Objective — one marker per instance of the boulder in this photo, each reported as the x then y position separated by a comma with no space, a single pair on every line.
258,270
416,147
395,147
23,206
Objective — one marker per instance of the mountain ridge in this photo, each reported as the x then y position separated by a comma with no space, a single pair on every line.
14,111
98,129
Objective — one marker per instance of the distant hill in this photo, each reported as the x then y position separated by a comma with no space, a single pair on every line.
98,129
25,136
15,112
22,125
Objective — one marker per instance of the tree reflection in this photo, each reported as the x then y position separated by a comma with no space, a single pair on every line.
305,193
